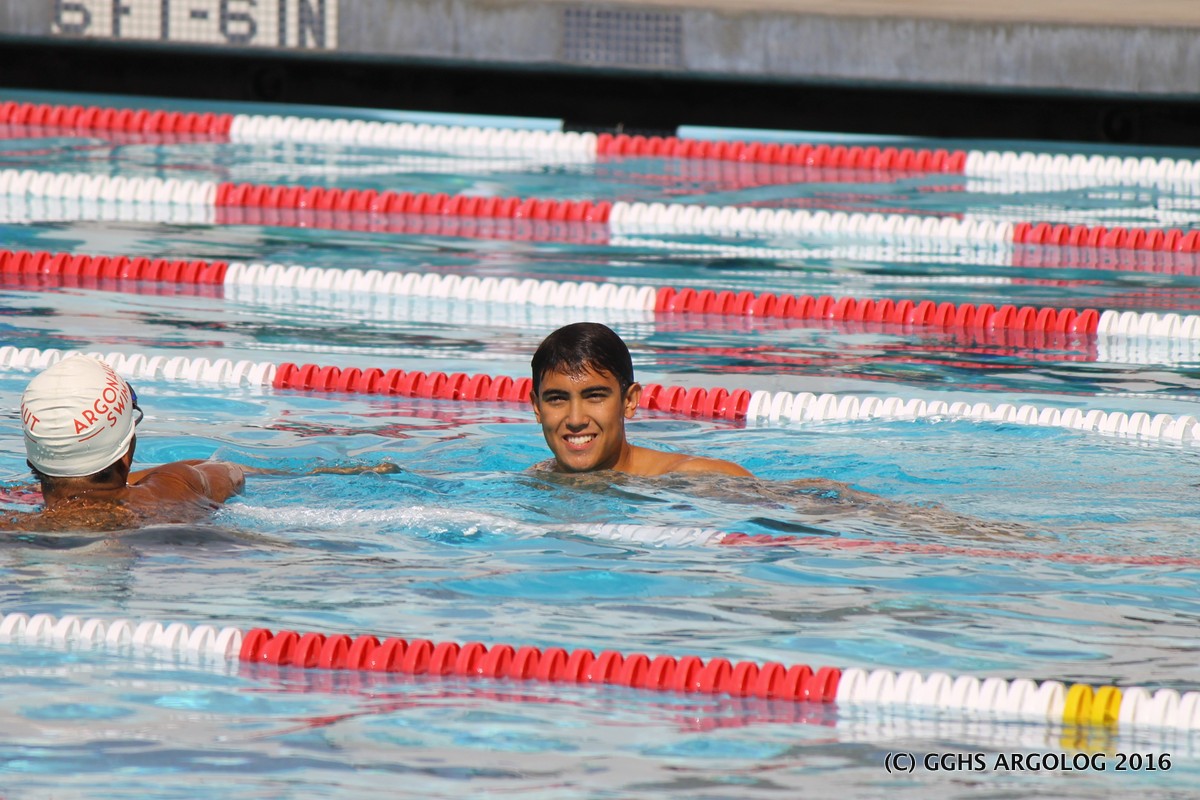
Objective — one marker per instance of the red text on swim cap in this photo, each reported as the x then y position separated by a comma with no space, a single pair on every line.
107,406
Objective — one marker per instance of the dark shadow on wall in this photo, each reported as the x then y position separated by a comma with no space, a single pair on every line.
595,99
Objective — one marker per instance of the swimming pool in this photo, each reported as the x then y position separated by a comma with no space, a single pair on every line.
1083,574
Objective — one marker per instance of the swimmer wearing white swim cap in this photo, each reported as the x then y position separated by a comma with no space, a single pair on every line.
80,420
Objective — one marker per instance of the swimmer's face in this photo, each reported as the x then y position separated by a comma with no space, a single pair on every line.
583,418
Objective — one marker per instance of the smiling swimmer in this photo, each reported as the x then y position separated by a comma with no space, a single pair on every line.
583,391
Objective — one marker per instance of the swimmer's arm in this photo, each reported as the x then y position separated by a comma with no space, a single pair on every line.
224,479
384,468
842,491
216,480
923,518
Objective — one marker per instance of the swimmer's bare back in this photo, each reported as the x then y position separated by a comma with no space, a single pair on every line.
185,491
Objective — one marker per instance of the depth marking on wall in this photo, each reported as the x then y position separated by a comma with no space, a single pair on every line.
304,24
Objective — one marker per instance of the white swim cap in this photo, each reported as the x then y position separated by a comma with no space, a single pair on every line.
78,417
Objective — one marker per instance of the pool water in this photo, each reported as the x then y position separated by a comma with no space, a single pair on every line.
466,544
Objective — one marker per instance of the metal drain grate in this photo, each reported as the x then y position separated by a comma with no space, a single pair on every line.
622,38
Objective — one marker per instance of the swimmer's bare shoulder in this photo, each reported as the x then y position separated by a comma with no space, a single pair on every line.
215,480
702,464
645,461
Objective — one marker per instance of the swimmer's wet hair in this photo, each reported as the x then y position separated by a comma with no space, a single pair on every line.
581,346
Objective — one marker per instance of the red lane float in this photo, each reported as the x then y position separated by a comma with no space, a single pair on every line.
689,674
962,316
812,155
1098,236
251,195
99,118
140,268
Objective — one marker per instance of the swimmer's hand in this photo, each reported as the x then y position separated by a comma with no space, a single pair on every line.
384,468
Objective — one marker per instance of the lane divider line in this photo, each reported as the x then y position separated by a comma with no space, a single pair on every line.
39,209
452,138
622,218
1050,702
983,319
61,209
597,294
737,405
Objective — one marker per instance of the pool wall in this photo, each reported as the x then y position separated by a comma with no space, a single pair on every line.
1101,71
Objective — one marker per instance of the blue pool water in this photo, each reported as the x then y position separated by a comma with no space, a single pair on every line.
465,544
